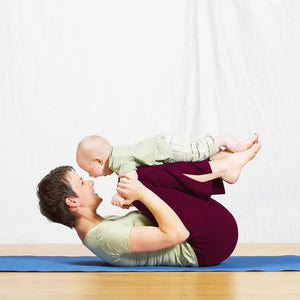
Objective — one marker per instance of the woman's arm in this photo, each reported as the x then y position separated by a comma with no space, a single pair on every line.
170,230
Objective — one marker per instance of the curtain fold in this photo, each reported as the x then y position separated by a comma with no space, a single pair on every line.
131,69
240,74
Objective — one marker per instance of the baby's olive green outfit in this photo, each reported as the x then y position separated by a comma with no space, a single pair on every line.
158,150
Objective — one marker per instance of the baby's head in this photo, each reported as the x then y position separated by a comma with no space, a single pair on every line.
93,155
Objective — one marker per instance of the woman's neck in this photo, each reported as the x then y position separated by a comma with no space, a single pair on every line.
84,224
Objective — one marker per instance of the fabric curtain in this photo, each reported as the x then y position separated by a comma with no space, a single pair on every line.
240,74
131,69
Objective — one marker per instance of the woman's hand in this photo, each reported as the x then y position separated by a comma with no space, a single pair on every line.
130,188
170,230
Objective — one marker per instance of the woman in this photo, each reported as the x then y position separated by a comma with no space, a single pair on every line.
180,225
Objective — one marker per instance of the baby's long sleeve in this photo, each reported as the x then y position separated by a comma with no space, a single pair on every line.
122,166
151,151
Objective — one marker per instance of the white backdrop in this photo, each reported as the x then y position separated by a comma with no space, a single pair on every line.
131,69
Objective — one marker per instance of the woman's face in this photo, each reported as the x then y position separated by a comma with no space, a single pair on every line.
84,190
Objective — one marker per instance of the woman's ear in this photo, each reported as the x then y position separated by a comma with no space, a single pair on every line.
71,202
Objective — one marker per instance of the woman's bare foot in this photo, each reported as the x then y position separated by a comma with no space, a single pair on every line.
234,163
228,168
245,144
220,154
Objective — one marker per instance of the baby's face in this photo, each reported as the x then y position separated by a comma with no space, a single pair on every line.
95,168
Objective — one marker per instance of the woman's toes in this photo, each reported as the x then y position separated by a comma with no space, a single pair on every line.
238,160
257,146
254,150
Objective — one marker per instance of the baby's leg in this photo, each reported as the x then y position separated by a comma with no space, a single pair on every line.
230,143
198,150
245,144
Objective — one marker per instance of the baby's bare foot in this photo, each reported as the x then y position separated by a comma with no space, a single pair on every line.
247,143
236,161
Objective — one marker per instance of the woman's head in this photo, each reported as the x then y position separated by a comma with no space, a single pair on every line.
65,197
52,191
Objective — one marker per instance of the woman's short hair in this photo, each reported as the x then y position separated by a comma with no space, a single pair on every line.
52,191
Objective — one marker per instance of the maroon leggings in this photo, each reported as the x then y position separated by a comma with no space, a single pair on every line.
213,229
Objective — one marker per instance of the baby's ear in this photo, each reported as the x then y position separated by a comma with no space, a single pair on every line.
99,160
71,202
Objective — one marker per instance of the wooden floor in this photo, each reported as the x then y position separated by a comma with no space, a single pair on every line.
141,285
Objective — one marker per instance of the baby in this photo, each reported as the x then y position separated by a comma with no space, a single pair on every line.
96,156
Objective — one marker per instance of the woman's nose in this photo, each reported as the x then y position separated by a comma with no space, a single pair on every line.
91,183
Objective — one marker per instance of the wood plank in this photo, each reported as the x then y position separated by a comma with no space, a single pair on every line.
213,285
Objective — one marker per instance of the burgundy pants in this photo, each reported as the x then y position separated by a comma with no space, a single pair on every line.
213,229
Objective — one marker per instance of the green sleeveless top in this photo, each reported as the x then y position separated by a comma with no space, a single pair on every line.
110,241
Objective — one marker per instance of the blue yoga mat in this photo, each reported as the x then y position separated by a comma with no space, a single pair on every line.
95,264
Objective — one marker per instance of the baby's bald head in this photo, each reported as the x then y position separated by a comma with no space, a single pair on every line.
92,148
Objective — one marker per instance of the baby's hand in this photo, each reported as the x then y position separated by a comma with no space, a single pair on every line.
230,143
117,200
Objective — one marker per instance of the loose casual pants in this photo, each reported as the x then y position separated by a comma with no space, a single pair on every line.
213,229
